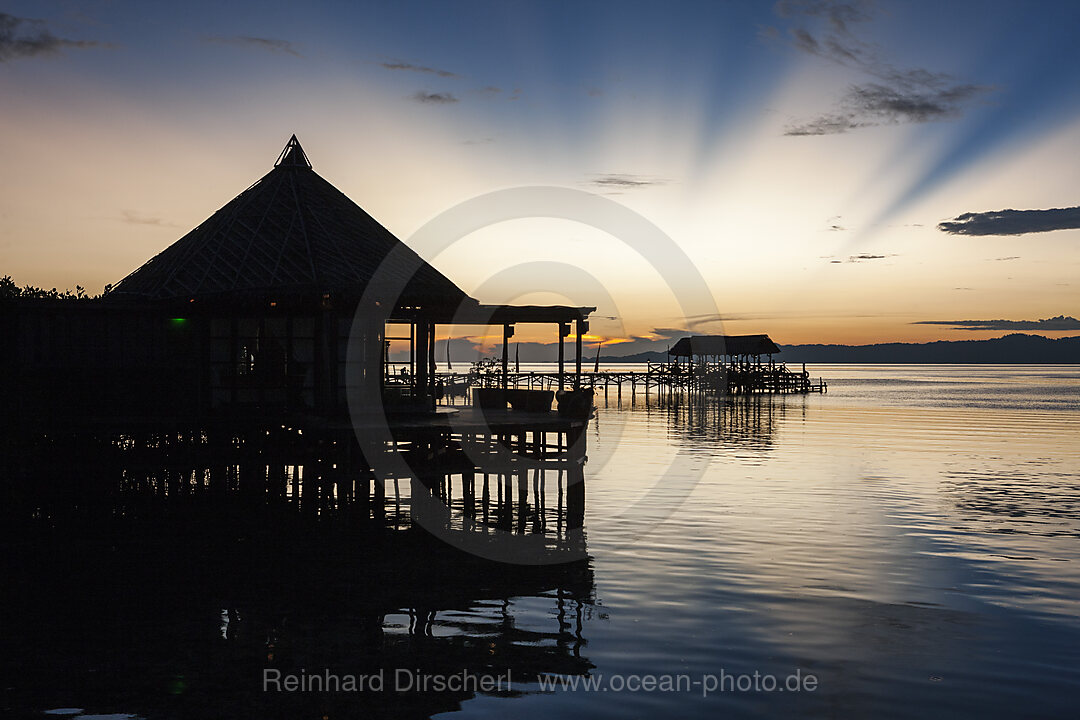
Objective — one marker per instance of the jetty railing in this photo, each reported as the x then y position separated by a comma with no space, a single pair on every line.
658,378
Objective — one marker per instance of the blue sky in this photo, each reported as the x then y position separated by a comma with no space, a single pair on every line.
801,154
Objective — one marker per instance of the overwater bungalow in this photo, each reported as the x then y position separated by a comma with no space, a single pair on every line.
734,365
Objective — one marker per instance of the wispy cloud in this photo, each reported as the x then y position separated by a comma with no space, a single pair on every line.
410,67
862,257
135,218
624,181
274,45
1012,222
1054,324
895,96
26,37
879,104
434,98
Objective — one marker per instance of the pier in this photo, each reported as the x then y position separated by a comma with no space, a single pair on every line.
714,365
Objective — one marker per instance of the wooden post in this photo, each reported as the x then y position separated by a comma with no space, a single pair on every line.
508,332
564,330
578,326
432,366
420,382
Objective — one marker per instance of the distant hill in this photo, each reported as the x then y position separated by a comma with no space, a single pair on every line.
649,356
1015,348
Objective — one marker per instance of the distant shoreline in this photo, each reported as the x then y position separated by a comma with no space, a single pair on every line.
1014,349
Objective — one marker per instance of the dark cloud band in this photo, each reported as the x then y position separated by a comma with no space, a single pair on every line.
1059,323
1012,222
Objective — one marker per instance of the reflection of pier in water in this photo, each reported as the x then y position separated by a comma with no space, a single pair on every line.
738,422
496,470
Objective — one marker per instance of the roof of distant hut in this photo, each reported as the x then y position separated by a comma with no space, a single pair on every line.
294,234
724,345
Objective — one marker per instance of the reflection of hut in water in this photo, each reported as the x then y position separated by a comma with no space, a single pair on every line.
738,422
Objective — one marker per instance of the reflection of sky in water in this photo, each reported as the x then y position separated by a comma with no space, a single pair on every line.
910,537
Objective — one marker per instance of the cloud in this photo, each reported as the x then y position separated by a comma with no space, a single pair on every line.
896,96
409,67
877,104
624,181
25,37
273,45
135,218
1054,324
1012,222
861,257
664,334
434,98
841,15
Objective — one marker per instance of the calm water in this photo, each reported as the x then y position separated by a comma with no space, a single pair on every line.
910,539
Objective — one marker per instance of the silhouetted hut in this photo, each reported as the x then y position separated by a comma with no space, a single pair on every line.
255,307
724,348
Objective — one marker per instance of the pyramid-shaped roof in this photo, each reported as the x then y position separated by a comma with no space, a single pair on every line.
292,232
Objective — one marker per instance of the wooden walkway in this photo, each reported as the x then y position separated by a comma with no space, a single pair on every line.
657,379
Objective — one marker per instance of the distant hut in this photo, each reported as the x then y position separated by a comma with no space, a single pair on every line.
724,349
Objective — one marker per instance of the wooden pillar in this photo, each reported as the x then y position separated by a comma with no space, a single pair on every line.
431,365
579,326
508,332
564,330
420,382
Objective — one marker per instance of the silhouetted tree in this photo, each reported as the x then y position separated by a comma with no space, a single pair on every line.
10,290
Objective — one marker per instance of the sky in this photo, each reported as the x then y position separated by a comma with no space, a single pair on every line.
835,172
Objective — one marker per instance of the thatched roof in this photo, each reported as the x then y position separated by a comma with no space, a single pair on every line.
291,233
724,345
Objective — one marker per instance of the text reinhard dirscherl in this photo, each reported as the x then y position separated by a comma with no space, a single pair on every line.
404,680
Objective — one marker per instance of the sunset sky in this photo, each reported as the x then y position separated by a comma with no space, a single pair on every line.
815,161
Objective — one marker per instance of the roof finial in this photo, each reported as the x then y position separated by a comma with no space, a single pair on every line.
293,155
